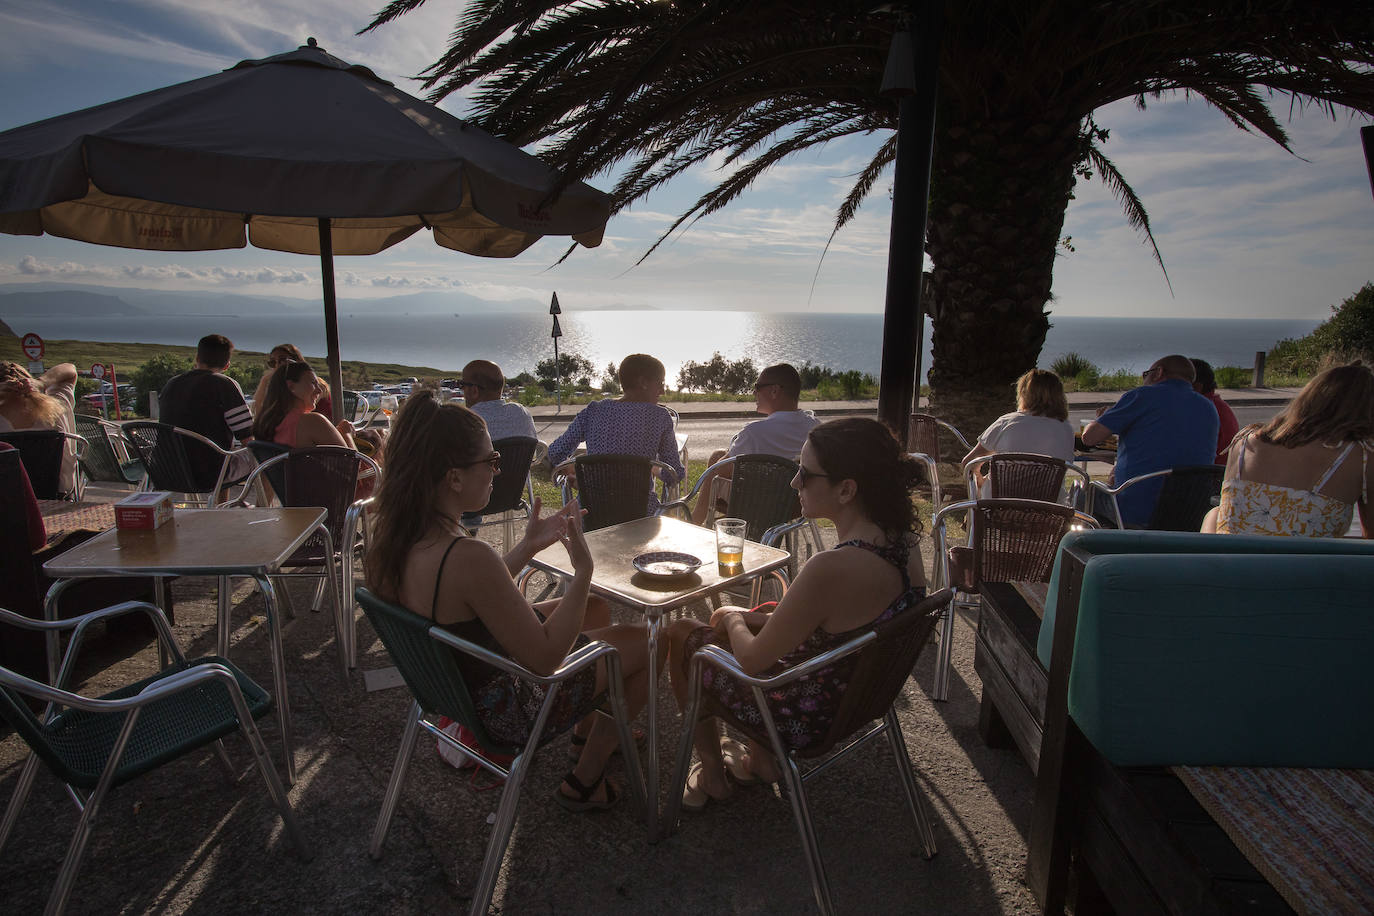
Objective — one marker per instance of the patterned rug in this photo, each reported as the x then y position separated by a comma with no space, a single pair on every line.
1310,832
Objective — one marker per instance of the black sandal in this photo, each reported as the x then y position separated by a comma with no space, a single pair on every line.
584,801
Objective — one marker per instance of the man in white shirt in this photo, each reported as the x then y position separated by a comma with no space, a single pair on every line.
781,432
482,386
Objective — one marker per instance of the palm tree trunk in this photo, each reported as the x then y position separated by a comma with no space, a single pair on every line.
999,192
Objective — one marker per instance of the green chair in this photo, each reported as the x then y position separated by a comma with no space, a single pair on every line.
94,744
427,658
882,660
101,461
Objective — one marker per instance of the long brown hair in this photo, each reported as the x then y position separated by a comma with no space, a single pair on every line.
865,451
1336,406
427,439
1040,393
277,400
17,386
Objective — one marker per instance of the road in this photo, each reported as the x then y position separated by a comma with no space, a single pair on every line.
706,434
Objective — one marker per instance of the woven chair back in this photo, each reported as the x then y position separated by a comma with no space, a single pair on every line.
1015,475
1187,495
923,435
324,476
173,462
41,450
99,461
265,451
761,493
612,488
508,489
1016,542
429,668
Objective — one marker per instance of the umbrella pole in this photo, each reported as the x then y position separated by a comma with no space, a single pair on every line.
331,320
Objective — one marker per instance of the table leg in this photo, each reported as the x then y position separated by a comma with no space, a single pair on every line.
269,601
160,599
53,639
655,624
224,601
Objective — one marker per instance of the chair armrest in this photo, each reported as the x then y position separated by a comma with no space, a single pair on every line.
937,532
579,659
82,622
678,505
773,535
1130,483
719,657
160,689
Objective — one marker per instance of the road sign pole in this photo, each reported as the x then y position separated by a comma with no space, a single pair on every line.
557,332
114,386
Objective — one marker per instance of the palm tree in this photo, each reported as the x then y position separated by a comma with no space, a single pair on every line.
654,87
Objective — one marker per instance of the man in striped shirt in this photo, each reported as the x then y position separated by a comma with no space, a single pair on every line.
207,401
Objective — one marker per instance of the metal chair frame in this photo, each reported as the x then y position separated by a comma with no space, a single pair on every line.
106,456
179,457
184,685
565,475
923,438
38,475
441,663
1047,466
336,570
793,778
506,498
942,577
1099,487
360,405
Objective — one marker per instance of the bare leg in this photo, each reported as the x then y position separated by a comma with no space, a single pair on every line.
1209,521
706,733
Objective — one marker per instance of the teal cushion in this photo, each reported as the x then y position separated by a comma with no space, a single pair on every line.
1172,542
1241,659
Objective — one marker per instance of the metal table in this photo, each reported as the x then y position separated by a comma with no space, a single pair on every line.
202,542
615,578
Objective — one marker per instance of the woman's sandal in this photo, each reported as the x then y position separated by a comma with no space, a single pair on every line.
584,801
694,797
736,757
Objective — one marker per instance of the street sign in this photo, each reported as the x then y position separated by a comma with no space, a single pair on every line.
553,306
36,368
98,371
33,347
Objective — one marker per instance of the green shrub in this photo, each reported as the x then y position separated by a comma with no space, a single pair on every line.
153,374
1348,334
718,374
572,365
1074,365
1233,377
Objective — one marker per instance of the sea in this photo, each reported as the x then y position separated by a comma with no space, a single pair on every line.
517,341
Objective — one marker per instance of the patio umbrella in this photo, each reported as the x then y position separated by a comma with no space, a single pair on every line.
300,152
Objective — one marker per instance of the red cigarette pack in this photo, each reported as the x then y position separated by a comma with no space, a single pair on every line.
143,510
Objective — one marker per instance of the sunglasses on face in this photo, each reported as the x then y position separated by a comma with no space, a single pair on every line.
762,385
494,459
803,475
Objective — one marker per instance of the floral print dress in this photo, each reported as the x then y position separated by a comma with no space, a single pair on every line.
803,709
1252,507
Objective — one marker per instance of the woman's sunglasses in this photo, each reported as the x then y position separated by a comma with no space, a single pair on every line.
494,459
804,475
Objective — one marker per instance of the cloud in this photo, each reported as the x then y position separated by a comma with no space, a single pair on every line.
33,268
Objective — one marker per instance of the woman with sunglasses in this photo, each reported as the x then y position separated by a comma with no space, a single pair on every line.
287,414
280,355
422,558
853,472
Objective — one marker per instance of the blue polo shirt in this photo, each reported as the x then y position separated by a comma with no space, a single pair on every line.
1159,426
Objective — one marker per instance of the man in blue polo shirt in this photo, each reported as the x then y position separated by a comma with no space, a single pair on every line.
1162,424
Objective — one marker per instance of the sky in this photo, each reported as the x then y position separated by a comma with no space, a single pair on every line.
1246,229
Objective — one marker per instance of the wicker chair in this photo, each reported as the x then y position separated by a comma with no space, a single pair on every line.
102,460
1009,540
42,451
427,658
325,476
512,493
1189,493
1021,475
883,659
96,744
612,488
924,434
173,456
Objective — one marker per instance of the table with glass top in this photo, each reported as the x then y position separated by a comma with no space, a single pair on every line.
613,550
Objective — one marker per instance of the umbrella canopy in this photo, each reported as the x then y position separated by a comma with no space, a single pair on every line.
300,152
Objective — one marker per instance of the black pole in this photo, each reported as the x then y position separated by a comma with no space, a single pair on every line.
902,315
331,320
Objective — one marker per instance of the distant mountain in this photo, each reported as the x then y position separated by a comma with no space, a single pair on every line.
5,330
66,301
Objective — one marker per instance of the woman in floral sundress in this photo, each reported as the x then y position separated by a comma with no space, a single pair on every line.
1303,472
853,472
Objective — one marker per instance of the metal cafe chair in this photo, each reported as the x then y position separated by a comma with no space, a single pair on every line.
612,488
358,409
924,432
105,458
95,744
166,455
42,451
1022,475
427,657
1189,493
882,658
324,476
1009,540
512,491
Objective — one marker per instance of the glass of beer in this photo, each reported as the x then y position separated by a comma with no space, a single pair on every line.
730,545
